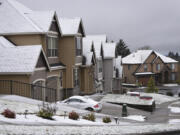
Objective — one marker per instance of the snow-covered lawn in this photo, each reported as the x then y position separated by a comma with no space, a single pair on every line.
136,117
170,84
84,130
117,98
174,109
174,121
58,120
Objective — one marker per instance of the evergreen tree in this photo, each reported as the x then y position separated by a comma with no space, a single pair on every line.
151,86
122,49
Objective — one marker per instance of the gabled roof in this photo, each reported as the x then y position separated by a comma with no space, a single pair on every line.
98,49
140,56
18,19
70,26
19,59
87,51
99,38
4,43
109,50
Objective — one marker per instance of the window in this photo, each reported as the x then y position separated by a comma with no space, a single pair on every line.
100,66
158,67
129,67
78,46
52,46
145,68
61,79
172,66
173,76
76,77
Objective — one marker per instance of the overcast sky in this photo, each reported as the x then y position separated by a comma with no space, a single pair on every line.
138,22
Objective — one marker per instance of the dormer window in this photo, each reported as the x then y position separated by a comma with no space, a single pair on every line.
52,45
78,46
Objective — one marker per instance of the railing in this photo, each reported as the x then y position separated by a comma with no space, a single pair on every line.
28,90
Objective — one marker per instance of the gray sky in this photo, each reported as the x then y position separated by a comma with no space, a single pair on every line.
139,22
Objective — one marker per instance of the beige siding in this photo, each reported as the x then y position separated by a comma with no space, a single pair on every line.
67,57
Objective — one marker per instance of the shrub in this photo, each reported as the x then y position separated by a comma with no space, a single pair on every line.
47,111
106,119
169,94
90,117
9,114
151,86
73,115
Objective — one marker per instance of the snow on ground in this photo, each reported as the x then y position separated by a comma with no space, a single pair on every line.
58,120
84,130
174,109
117,98
135,117
170,85
159,98
174,121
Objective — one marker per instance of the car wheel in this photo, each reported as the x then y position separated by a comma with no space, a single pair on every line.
89,109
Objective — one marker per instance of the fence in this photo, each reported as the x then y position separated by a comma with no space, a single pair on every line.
28,90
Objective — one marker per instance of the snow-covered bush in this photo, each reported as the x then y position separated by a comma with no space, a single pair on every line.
106,119
47,111
73,115
9,114
90,117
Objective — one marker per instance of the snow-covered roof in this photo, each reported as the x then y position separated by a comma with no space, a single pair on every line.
137,57
70,26
18,19
144,73
20,59
118,65
97,49
109,50
99,38
87,51
166,59
140,56
4,43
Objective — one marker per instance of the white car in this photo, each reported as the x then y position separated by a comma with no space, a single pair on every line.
83,103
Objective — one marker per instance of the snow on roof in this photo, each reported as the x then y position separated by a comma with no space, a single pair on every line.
166,59
144,73
109,50
137,57
19,60
97,48
4,43
118,65
99,38
87,46
140,56
69,26
16,19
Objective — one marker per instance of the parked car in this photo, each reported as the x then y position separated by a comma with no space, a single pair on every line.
83,103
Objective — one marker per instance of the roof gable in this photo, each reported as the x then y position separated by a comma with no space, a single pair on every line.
4,43
18,19
109,50
71,26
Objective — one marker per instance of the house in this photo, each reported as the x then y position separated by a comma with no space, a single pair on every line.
111,78
139,66
98,40
23,27
71,53
88,68
27,64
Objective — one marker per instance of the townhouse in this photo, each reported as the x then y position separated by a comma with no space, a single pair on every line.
139,66
23,27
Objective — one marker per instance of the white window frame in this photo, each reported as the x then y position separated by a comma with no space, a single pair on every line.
145,68
158,67
52,49
173,76
78,46
76,77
